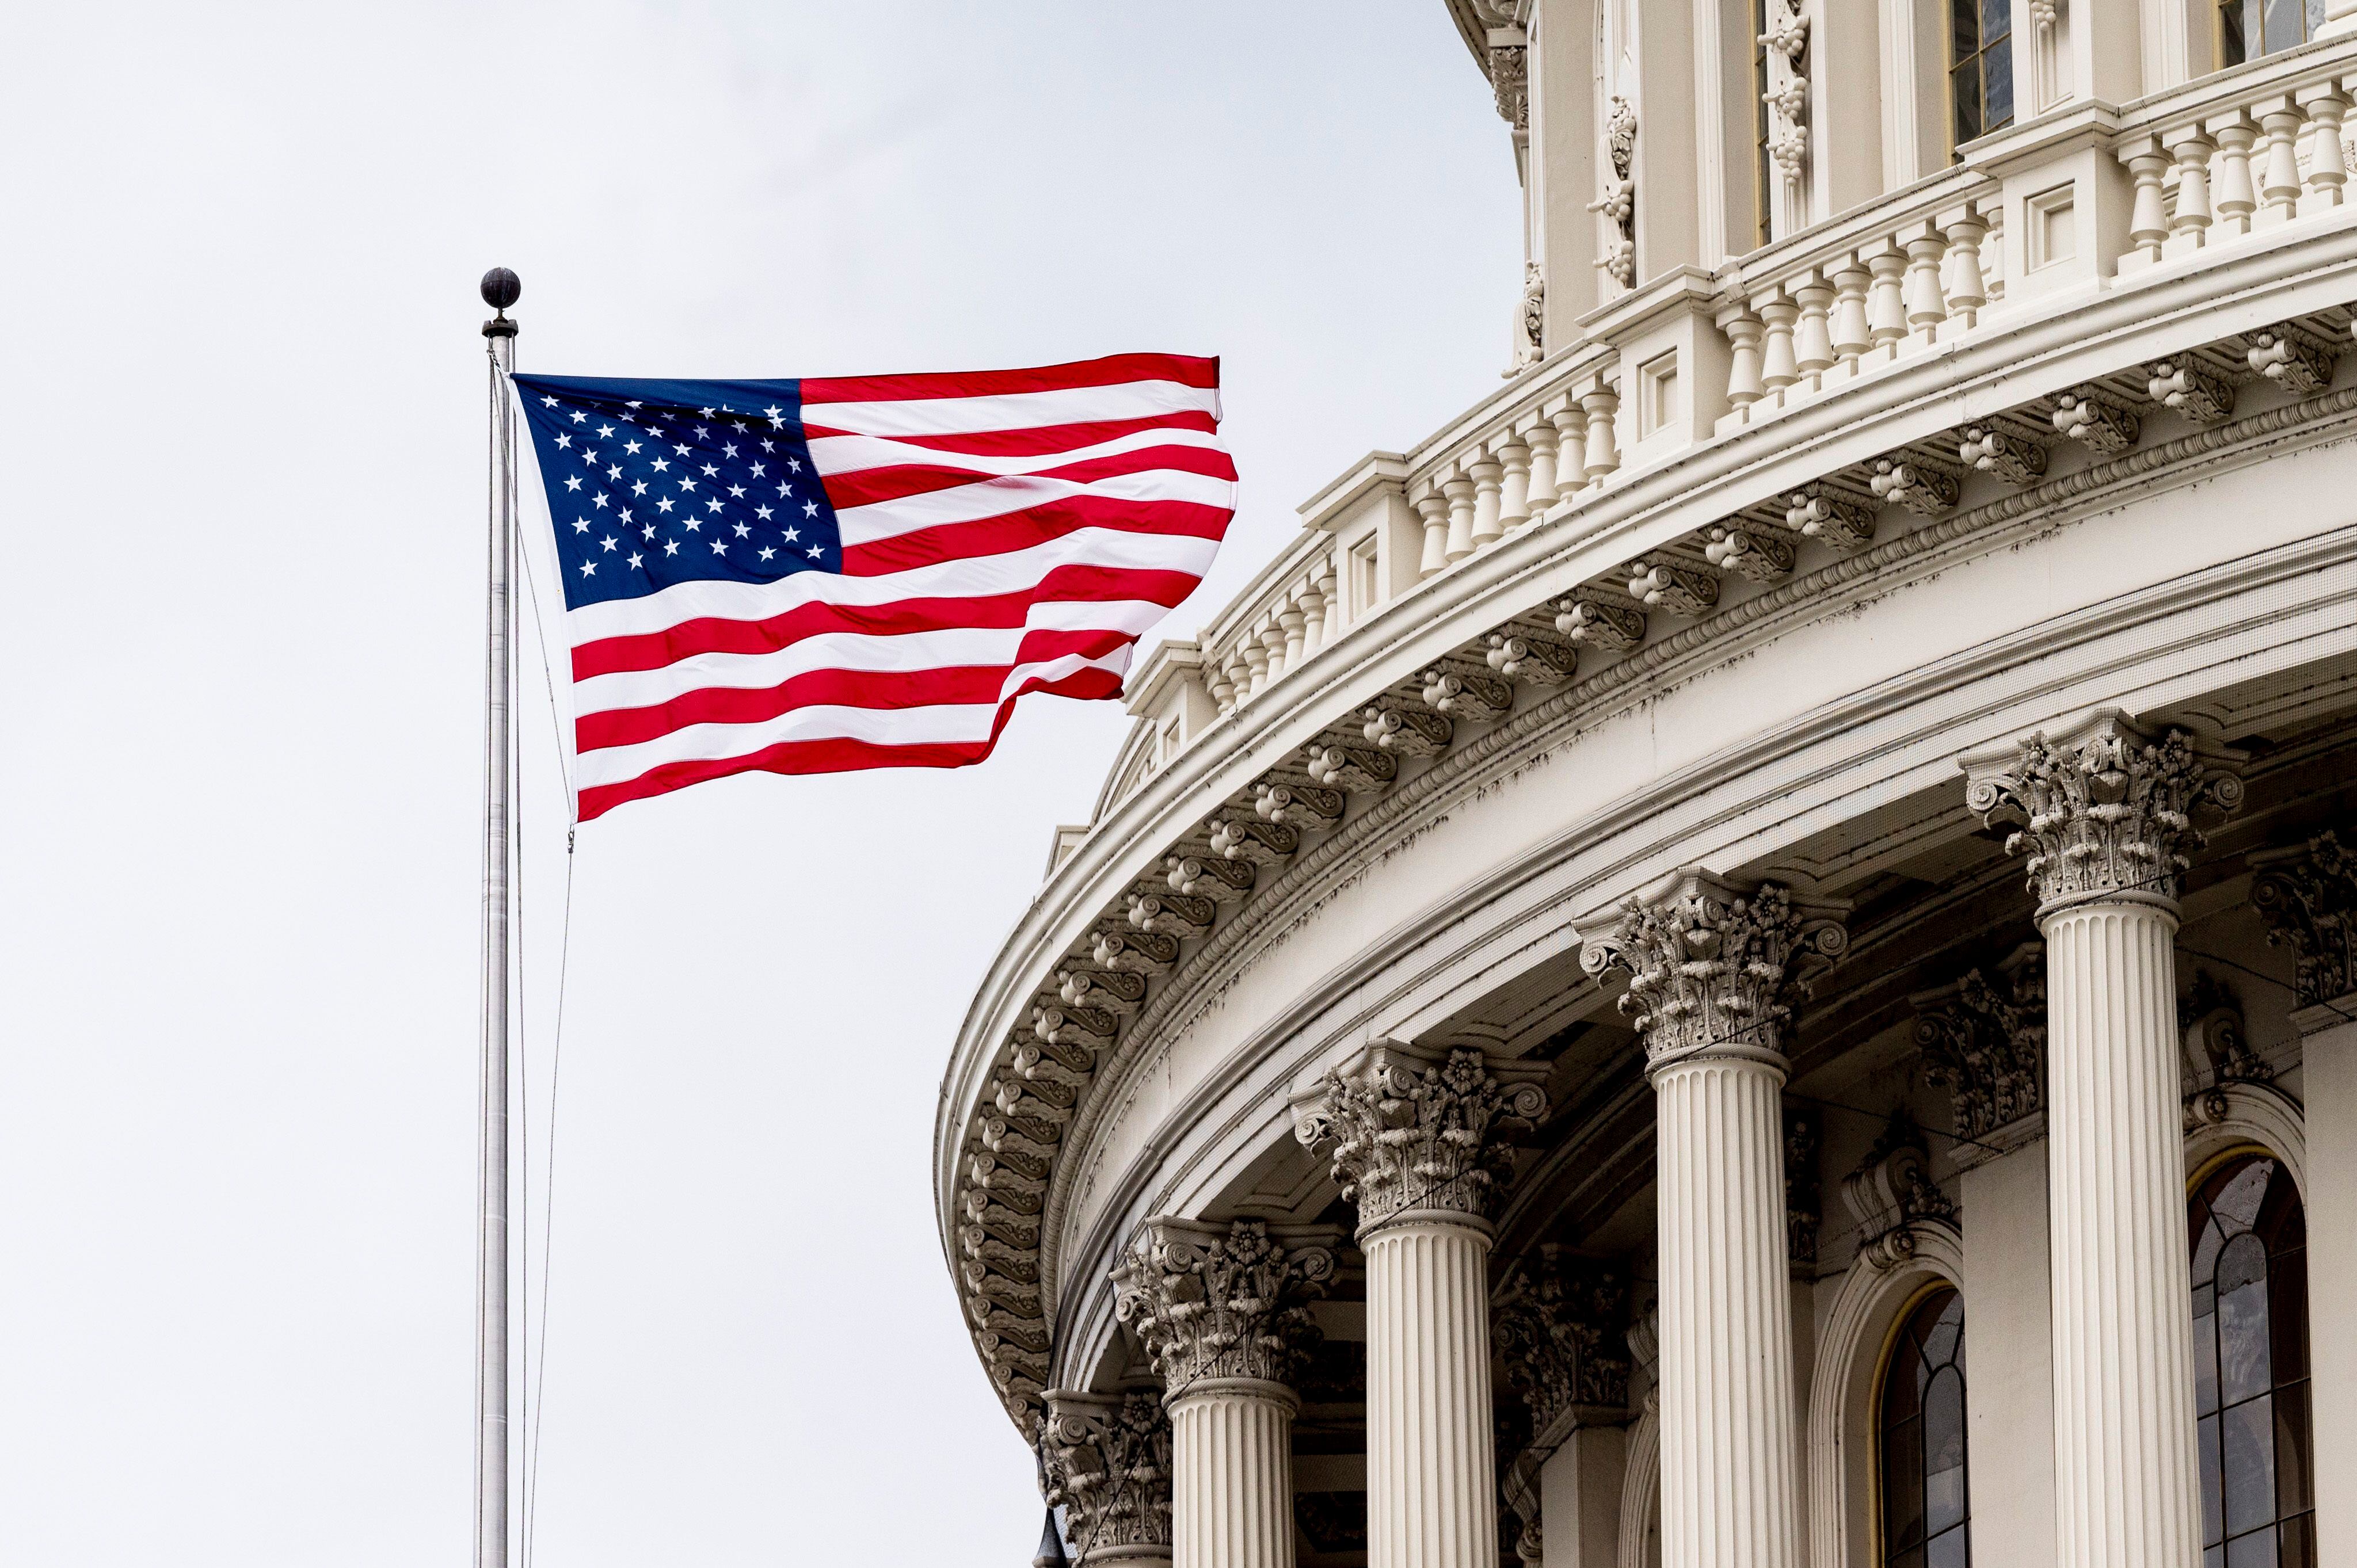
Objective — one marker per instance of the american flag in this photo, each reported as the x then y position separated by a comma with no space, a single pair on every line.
807,576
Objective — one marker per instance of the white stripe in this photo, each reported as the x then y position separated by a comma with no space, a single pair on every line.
856,454
1012,410
905,653
881,726
977,578
997,498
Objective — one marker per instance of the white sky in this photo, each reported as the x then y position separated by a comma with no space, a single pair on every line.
241,485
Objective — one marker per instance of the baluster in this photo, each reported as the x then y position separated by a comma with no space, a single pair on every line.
1926,306
1313,616
1601,402
1777,367
2280,186
1813,340
1570,423
1293,624
1851,336
2328,163
1224,688
1460,491
2191,224
1331,622
1967,290
1434,510
2148,218
1488,488
1885,300
1541,440
1992,253
1272,636
2234,199
1743,327
1255,657
1514,495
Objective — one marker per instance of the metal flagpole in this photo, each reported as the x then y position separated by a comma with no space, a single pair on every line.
500,289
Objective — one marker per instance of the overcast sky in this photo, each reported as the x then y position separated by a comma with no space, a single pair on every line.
241,433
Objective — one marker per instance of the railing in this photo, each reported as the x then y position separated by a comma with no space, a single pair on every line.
2220,162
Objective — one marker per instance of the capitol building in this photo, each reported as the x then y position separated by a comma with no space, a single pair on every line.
1747,956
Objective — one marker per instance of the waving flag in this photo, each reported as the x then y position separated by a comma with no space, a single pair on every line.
808,576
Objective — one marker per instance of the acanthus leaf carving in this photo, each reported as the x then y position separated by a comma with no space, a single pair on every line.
2308,895
1223,1301
2099,423
1519,658
1106,1460
1298,805
1416,1130
1599,623
1984,1040
1830,517
1758,553
1560,1327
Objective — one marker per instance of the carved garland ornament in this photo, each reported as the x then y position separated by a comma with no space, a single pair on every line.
2106,814
1223,1301
1713,968
1618,202
1104,1459
1409,1135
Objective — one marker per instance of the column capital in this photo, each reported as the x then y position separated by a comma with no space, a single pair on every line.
1224,1301
1422,1134
2308,895
1984,1040
2103,807
1560,1323
1714,966
1104,1459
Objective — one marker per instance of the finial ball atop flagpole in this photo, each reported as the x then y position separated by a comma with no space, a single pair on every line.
502,288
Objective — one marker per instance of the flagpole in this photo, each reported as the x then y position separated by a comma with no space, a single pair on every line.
500,289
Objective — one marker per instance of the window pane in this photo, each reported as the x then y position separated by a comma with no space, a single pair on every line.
2248,1439
1964,30
2284,25
2237,1202
1997,19
2245,1364
2230,33
2252,1551
2205,1251
1996,66
2291,1452
1950,1550
2205,1363
1940,1344
1902,1486
1966,84
2299,1540
2287,1315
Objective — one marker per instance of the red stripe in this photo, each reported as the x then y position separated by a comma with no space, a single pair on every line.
837,756
867,486
1037,438
1112,371
1032,525
1092,585
961,686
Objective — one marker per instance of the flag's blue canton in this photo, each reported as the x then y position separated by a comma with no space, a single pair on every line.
655,482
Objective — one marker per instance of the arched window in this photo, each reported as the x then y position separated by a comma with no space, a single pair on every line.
1925,1520
2249,28
2250,1365
1980,69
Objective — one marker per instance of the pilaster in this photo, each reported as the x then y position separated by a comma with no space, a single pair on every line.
1714,970
2104,815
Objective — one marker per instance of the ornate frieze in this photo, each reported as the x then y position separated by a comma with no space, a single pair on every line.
1758,553
1297,805
1223,1301
1413,1130
1984,1040
1893,1196
1104,1459
2191,387
1924,488
1829,517
1560,1326
2097,421
1670,587
1598,623
2293,358
1714,966
2003,452
2308,895
1463,693
1541,663
2104,809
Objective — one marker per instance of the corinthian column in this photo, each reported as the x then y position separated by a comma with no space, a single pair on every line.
1221,1312
1421,1146
2106,814
1713,968
1106,1460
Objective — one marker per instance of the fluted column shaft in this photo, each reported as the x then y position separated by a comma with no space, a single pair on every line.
1233,1473
1432,1472
2124,1467
1728,1447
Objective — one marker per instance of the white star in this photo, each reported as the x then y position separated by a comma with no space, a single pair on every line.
548,402
572,481
773,411
704,412
709,470
662,464
601,503
614,472
589,568
626,514
736,424
607,542
736,492
638,487
703,430
687,484
693,526
785,489
814,552
792,534
671,546
587,456
795,464
763,512
580,416
682,450
563,441
632,404
650,532
767,552
809,509
604,430
634,561
580,525
630,448
663,502
768,445
720,547
730,450
712,505
758,469
742,531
